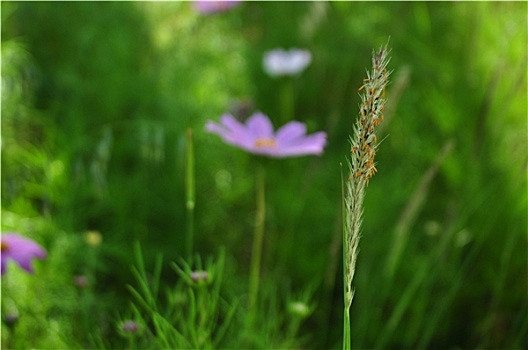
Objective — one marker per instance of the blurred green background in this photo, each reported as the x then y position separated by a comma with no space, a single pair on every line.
96,102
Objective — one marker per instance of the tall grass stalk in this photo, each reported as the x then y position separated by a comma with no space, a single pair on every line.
256,253
412,209
362,167
189,192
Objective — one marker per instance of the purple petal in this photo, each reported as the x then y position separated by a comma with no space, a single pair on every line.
207,7
231,131
260,126
311,144
273,62
20,249
290,131
233,124
265,151
299,59
257,136
215,128
281,62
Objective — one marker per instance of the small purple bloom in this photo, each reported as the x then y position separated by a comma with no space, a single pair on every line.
11,318
80,281
21,250
129,327
280,62
210,7
199,276
257,136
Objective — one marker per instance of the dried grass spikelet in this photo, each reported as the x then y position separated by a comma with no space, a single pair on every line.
362,166
364,141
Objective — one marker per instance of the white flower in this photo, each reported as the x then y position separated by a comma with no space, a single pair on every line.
281,62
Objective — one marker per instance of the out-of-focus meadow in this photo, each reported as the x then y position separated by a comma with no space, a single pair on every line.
97,103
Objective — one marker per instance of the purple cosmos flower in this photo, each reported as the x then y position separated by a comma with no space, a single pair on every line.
210,7
21,250
257,136
280,62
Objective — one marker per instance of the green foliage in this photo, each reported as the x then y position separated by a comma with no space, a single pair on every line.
192,310
96,102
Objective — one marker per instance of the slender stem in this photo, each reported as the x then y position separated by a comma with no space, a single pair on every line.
346,302
346,330
258,238
11,324
412,209
287,100
189,193
362,167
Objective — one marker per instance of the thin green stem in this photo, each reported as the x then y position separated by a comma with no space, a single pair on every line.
189,193
287,100
362,168
346,330
346,309
256,256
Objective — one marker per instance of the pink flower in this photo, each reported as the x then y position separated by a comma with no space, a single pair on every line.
279,62
199,276
257,136
209,7
129,327
21,250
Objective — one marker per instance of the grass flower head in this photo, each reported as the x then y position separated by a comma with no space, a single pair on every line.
200,278
258,136
21,250
279,62
364,144
129,329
